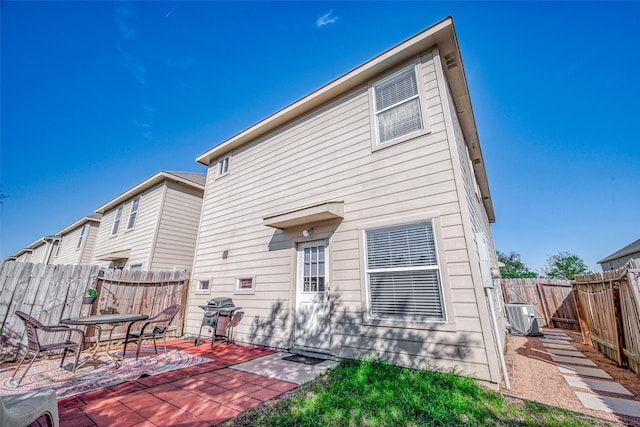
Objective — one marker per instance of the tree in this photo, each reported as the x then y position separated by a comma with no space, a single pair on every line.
513,268
564,265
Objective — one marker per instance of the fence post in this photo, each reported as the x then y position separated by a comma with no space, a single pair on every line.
543,305
584,326
624,361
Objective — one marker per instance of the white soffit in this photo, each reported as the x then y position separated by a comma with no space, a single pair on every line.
306,216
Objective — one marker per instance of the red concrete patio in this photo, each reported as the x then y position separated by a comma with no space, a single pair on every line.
201,395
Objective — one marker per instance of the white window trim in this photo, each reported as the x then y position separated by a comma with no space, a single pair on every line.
199,289
449,324
133,213
245,291
220,166
116,220
138,267
375,144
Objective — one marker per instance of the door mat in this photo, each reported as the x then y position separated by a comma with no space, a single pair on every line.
307,360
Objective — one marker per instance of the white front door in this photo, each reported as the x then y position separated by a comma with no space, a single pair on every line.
313,328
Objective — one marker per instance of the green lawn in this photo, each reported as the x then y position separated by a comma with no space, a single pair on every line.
372,393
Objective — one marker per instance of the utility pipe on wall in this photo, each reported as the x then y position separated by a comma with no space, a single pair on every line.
496,331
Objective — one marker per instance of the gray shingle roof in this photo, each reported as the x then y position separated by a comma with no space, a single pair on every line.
198,178
629,249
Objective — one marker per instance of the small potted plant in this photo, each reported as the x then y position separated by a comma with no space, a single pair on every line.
90,297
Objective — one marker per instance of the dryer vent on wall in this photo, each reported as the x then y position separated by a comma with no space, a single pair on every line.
522,320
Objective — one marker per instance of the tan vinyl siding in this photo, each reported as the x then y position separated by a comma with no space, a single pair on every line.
24,257
324,156
69,252
89,242
138,239
178,228
474,212
39,253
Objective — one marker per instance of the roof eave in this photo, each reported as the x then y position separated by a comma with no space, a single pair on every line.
442,35
143,186
430,37
77,224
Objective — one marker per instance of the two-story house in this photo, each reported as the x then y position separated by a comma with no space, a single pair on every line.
76,241
355,221
153,225
39,252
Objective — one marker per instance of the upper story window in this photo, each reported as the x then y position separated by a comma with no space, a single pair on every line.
397,105
84,228
133,213
403,278
116,221
59,245
223,166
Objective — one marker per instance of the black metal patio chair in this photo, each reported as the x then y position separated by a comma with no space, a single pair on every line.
153,328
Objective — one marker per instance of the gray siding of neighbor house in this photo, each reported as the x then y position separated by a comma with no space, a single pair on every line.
139,239
178,228
327,156
618,262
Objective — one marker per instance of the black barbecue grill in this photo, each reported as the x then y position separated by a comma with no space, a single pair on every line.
221,316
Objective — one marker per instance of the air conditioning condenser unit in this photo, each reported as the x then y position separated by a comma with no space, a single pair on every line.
522,319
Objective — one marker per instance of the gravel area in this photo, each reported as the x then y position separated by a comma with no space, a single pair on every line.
534,376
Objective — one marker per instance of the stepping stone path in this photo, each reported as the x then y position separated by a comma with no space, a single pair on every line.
571,361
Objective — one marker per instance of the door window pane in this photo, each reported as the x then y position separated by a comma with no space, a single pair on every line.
314,269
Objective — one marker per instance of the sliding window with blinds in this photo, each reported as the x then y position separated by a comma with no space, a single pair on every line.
397,105
402,272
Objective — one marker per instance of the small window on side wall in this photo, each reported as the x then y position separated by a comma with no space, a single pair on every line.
245,284
202,285
396,104
135,267
223,166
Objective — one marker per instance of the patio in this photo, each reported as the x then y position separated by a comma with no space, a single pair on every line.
202,395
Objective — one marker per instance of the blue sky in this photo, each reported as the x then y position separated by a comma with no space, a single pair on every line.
98,96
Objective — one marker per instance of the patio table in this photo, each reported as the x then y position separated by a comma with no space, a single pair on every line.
103,322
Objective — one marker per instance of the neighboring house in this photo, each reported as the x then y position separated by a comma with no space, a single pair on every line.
39,252
76,242
619,258
152,226
355,221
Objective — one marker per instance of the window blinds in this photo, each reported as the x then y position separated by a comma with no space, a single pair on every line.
402,269
397,105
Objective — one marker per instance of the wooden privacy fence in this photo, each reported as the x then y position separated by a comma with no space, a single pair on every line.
609,307
54,292
552,300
